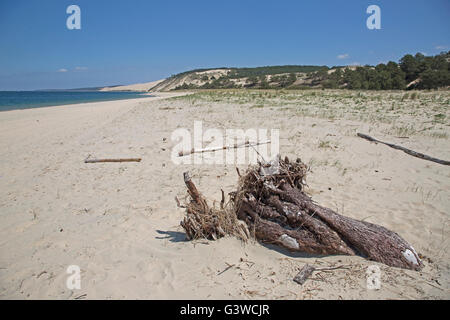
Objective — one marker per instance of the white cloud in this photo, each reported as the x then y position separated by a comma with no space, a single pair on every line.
355,64
441,47
62,70
80,68
343,56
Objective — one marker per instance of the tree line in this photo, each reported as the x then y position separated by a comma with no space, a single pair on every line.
412,72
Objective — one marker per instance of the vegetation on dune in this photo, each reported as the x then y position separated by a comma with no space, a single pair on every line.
382,77
396,113
195,71
272,70
412,72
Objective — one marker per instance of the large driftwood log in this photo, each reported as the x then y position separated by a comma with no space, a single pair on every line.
276,207
271,201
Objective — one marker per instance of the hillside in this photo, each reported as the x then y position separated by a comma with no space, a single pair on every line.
146,86
259,77
411,72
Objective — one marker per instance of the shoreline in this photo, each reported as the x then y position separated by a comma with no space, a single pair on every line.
143,95
153,96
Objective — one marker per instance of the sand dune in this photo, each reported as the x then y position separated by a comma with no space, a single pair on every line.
146,86
119,221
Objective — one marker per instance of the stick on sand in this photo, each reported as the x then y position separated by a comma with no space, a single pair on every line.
235,146
87,160
408,151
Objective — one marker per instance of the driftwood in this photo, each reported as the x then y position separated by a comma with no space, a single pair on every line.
202,221
276,207
408,151
307,271
304,274
213,149
88,160
276,210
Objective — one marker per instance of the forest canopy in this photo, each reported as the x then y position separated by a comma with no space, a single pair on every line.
412,72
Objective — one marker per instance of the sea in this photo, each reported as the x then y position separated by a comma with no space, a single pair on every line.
12,100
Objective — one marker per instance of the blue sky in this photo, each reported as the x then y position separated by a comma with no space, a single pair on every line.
122,42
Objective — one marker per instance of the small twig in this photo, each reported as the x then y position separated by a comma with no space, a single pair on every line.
40,274
258,153
307,271
222,202
226,269
332,268
247,261
179,205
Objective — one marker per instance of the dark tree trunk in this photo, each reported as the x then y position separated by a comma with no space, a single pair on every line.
281,213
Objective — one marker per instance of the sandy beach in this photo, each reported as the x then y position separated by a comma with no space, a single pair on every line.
119,222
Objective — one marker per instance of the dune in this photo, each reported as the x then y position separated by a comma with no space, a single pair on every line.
146,86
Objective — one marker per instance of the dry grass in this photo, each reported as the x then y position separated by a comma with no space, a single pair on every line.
402,113
205,222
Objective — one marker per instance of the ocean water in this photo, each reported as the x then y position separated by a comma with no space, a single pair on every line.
11,100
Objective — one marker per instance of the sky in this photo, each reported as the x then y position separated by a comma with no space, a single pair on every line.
124,42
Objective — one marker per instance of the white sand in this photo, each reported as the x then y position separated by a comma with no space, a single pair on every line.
119,221
134,87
